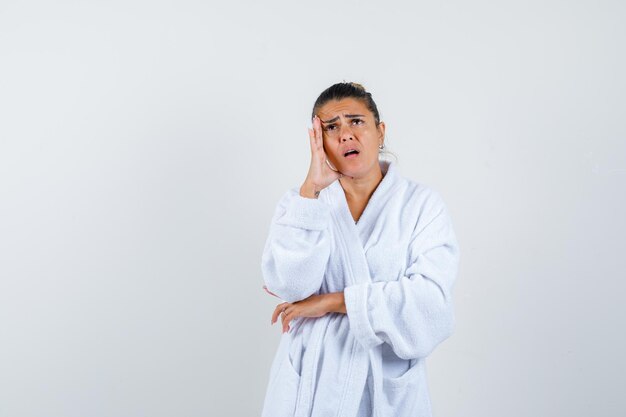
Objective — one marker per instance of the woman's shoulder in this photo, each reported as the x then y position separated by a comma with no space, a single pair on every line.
422,194
421,205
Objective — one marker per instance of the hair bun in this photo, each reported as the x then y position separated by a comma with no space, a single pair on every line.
357,85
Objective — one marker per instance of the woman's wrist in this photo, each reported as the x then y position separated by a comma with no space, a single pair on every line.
336,302
309,190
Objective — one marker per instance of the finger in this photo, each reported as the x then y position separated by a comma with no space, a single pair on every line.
317,138
318,129
314,131
285,313
287,319
312,141
279,308
275,314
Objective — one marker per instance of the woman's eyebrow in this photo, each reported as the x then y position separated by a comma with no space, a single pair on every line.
349,116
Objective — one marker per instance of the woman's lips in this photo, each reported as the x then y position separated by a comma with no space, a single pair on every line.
352,155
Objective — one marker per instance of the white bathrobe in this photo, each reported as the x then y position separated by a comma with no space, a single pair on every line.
396,266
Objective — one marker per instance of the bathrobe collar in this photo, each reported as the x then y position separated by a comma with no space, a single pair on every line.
362,229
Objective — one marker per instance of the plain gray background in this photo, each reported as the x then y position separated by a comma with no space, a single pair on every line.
144,145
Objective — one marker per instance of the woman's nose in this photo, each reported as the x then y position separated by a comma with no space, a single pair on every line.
345,133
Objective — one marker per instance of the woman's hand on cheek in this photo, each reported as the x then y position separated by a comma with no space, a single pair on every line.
314,306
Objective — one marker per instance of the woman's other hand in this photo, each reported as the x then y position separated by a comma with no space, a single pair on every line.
314,306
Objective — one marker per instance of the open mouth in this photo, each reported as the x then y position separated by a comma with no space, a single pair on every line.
351,153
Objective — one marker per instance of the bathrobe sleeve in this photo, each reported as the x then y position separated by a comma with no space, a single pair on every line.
297,248
414,313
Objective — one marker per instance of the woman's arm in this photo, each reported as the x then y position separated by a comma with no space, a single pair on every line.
336,302
415,313
297,248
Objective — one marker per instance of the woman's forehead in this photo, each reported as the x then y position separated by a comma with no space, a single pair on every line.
341,108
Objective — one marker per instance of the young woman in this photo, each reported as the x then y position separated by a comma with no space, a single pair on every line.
365,261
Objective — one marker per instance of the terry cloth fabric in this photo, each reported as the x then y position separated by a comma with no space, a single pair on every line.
396,267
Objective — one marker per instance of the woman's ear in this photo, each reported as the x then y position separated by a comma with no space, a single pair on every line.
381,129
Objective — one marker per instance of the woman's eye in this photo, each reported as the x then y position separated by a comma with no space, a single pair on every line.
332,127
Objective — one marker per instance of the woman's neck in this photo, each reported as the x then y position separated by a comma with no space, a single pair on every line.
361,188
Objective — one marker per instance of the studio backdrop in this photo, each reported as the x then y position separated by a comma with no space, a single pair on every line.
144,146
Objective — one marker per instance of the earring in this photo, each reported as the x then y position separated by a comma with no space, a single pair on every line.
381,146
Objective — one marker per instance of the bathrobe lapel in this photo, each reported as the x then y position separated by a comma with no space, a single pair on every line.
355,240
358,237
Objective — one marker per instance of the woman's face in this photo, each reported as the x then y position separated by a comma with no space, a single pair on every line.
348,124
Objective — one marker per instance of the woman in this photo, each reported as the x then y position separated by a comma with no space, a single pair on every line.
365,261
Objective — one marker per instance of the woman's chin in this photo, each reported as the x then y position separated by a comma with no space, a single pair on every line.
354,169
350,171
